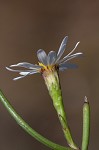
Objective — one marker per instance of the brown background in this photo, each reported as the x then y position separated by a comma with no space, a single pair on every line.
26,26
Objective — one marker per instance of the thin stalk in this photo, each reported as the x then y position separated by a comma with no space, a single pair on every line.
53,85
27,128
62,117
86,125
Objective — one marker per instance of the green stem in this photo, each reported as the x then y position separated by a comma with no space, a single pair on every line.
86,125
53,84
62,116
27,128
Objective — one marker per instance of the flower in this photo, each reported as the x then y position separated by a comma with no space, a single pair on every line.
49,66
47,62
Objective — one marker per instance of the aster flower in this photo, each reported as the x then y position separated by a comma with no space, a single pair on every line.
49,66
47,62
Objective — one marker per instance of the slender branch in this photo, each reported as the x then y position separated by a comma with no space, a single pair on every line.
86,125
27,128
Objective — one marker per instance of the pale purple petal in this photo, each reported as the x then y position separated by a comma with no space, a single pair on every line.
64,42
64,66
42,57
17,78
51,57
22,70
65,59
72,50
26,65
14,70
61,53
62,48
28,73
24,74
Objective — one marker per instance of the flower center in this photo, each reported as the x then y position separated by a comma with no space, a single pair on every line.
46,70
44,67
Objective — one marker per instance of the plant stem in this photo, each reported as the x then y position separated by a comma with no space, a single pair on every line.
27,128
86,125
53,85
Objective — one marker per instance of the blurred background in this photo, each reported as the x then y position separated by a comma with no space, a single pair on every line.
25,27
